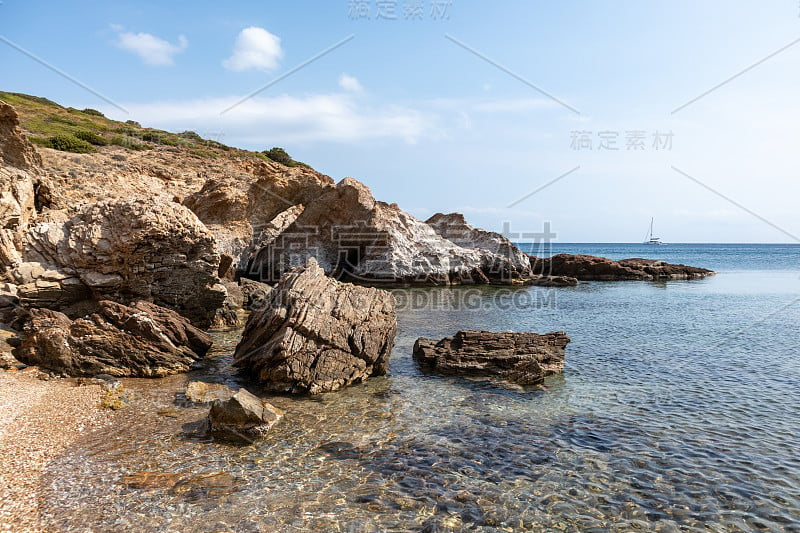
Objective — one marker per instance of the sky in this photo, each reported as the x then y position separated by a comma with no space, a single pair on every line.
590,116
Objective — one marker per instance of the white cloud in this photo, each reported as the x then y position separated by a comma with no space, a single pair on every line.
150,49
336,117
255,48
349,83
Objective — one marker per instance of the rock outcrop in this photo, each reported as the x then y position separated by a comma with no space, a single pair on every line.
500,259
245,210
128,250
591,268
317,334
140,340
243,417
18,161
15,149
255,294
356,238
521,358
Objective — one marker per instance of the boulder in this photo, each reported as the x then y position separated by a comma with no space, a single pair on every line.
243,416
522,358
501,260
356,238
228,315
126,250
591,268
140,340
317,334
255,293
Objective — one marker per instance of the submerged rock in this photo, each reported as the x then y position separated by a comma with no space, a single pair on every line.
140,340
592,268
317,334
522,358
243,415
202,392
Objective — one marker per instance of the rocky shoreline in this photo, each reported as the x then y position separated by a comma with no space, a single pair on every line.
116,263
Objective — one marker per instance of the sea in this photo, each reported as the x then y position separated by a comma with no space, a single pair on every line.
678,410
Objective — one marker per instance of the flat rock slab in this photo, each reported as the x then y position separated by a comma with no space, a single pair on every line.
592,268
522,358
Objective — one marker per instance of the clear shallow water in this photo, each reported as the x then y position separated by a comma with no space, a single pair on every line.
678,411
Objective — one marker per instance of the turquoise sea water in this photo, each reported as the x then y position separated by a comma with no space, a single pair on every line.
679,410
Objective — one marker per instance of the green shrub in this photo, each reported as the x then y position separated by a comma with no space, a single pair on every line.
279,155
70,143
95,112
204,153
41,141
191,135
91,138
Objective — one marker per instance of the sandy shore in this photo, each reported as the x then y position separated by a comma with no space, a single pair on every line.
38,421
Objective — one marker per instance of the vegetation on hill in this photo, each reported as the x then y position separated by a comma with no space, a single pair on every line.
279,155
51,125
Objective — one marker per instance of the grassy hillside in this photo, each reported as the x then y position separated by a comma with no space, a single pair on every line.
68,129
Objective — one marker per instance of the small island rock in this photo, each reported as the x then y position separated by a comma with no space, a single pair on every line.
518,357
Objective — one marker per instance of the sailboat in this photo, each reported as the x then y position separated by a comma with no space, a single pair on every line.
650,239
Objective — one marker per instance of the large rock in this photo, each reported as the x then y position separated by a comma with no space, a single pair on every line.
521,358
40,286
15,149
140,340
18,159
317,335
245,209
255,293
356,238
128,250
591,268
501,258
243,416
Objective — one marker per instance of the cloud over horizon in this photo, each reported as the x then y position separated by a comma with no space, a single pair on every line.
255,49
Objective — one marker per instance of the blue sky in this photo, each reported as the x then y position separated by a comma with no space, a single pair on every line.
435,125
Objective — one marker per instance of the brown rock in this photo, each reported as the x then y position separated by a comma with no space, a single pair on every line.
242,210
202,392
255,293
141,340
128,250
243,415
317,335
591,268
15,149
521,358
